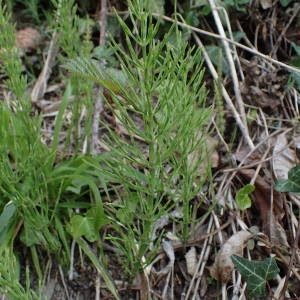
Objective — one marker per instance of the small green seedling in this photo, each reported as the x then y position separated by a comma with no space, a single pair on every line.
242,197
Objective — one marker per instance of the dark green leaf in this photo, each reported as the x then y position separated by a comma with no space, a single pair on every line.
256,273
285,3
292,184
296,48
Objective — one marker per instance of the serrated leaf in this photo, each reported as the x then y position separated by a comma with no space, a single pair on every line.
242,197
292,184
256,273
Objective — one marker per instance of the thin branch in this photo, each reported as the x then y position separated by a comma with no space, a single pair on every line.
231,64
226,96
40,86
98,108
217,36
279,39
292,261
103,22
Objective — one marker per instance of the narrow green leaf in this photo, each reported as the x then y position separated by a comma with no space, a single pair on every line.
256,273
242,197
100,268
7,218
296,48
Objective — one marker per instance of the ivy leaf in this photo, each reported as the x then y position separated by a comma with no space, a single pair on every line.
292,184
285,3
256,273
242,197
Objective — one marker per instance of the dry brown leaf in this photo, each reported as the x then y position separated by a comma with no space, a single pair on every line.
284,158
191,261
223,266
28,38
276,232
242,154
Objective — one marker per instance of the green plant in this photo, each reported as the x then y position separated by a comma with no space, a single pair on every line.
292,184
38,194
242,196
74,39
256,273
9,279
159,98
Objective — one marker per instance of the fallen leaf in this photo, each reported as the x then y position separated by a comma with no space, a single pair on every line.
169,250
242,154
284,158
223,265
28,39
191,261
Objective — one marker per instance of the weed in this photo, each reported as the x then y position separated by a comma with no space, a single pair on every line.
161,102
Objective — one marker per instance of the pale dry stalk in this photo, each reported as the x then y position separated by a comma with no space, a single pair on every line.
40,86
231,64
201,258
225,94
217,36
98,108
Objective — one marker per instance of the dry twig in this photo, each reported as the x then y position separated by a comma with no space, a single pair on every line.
98,108
40,86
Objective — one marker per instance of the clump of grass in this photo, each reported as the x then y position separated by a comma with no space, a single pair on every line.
38,195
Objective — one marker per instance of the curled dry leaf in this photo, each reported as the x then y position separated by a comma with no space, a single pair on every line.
28,38
191,261
284,158
169,250
223,266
